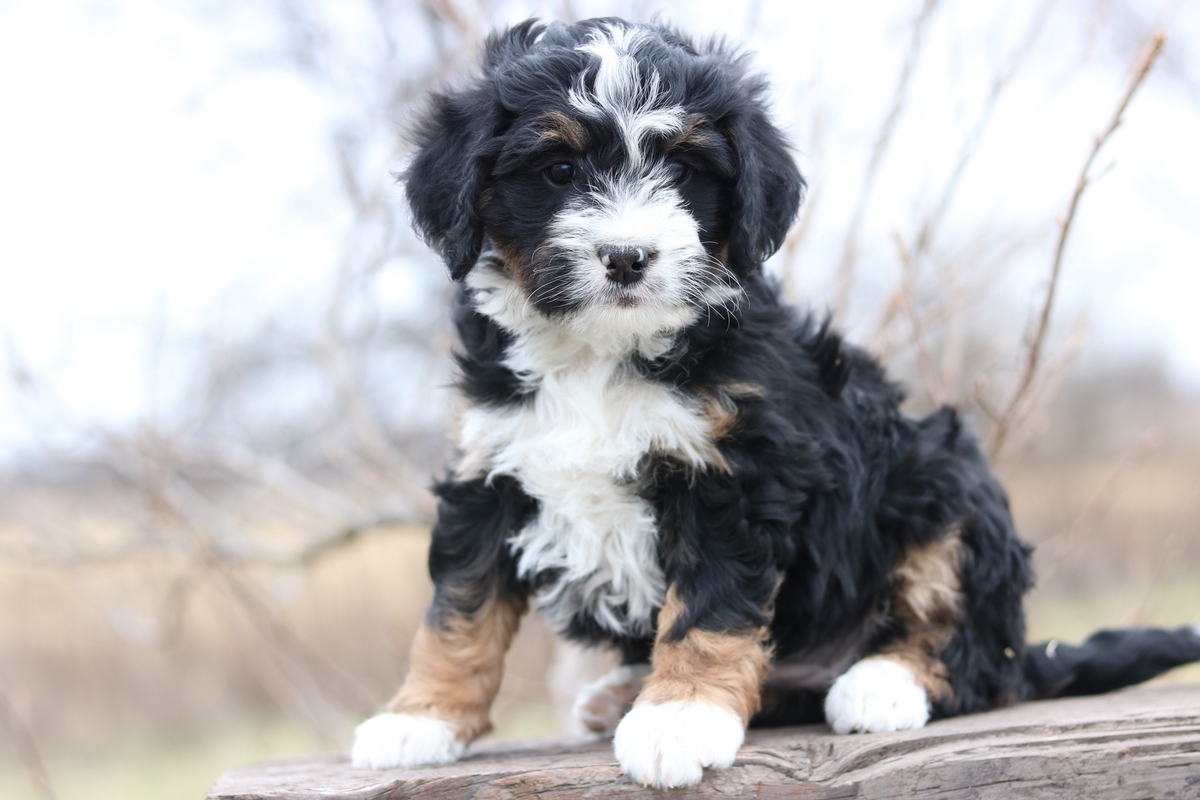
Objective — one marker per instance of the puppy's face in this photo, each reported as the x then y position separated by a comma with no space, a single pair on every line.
612,194
614,169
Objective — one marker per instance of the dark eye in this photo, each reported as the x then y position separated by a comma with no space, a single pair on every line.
678,171
560,174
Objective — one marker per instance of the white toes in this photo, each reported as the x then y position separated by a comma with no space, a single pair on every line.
402,740
668,745
600,705
875,695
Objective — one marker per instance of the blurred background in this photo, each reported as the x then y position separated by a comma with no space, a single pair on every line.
224,355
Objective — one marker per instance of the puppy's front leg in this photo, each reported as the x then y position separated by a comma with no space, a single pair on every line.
457,658
455,670
703,689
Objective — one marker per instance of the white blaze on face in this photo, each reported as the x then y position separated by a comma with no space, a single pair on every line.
635,206
618,93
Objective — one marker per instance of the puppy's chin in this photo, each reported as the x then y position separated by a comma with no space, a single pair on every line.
626,323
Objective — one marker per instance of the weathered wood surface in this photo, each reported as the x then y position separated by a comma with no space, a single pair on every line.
1140,743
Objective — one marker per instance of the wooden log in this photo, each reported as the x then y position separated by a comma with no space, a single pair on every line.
1139,743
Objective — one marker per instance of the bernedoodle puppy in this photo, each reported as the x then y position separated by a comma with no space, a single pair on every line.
672,461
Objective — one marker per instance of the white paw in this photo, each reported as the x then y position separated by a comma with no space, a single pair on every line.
876,695
601,704
669,745
402,740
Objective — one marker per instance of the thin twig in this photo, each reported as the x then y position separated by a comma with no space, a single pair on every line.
970,144
845,277
916,326
1037,342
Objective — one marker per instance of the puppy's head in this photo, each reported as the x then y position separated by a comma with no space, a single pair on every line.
613,167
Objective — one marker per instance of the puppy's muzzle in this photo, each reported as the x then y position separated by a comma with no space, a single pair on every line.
625,265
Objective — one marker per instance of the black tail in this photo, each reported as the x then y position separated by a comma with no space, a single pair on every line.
1108,660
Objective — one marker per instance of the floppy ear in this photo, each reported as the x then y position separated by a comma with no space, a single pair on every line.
767,190
444,181
457,143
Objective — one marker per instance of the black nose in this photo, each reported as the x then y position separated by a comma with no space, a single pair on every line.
624,265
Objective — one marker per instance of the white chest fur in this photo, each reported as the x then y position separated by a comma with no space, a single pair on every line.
576,446
577,443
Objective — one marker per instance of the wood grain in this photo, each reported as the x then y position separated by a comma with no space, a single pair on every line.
1139,743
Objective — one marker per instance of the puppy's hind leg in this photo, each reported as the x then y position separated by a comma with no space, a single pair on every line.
895,688
879,693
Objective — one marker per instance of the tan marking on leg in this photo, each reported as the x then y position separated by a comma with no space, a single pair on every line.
455,669
928,591
554,126
725,669
927,600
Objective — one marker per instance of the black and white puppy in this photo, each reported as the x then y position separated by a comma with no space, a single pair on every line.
672,461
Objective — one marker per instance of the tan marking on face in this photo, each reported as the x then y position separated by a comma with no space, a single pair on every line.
694,135
927,600
725,669
455,668
510,257
554,126
742,389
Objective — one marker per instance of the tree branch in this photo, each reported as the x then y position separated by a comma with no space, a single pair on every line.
1037,342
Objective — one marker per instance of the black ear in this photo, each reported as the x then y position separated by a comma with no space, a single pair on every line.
457,142
444,181
768,187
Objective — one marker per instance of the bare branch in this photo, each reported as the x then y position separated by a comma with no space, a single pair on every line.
1037,341
847,264
970,145
907,297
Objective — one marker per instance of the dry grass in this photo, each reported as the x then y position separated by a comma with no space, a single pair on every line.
126,718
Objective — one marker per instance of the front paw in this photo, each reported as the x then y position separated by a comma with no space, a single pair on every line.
601,704
403,740
875,695
668,745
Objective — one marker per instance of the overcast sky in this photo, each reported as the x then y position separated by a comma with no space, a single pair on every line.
163,170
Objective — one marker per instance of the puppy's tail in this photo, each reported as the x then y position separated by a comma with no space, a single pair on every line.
1108,660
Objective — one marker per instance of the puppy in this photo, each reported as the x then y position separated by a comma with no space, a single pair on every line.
671,461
